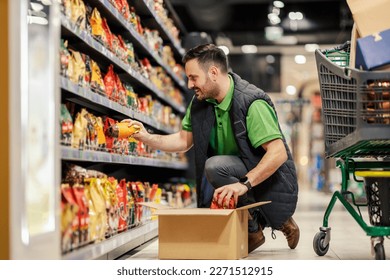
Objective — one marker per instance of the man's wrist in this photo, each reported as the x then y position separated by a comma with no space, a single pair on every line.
245,181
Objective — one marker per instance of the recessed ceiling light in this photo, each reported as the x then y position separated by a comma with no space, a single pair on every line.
311,47
300,59
291,90
249,49
278,4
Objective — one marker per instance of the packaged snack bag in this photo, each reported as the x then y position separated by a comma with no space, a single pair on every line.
110,83
83,212
121,191
79,134
101,138
112,209
66,126
231,205
97,30
97,83
122,95
112,143
76,68
69,219
78,14
97,209
132,98
122,49
122,130
109,38
64,58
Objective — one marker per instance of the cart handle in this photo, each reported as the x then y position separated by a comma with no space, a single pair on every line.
373,173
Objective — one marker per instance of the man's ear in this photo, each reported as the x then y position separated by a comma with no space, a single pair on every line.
213,72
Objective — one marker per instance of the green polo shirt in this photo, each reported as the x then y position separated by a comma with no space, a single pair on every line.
262,124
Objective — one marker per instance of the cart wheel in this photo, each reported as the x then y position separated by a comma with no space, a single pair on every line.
318,242
379,251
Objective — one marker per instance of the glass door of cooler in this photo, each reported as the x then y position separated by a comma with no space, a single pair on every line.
34,148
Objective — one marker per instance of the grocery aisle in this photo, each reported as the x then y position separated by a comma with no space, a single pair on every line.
348,240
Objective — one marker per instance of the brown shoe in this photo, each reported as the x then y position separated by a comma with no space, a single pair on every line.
255,239
291,230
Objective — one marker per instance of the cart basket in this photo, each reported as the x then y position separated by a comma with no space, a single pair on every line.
355,106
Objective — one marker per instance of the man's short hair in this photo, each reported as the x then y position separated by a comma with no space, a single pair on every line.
207,55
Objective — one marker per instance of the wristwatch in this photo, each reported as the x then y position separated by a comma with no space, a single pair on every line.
245,181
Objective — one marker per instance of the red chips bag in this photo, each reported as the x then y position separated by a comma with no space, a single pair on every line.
214,204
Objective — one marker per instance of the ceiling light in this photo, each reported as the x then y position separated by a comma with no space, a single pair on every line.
276,11
311,47
273,32
300,59
299,15
37,20
291,90
295,15
270,59
225,49
36,7
274,19
249,49
278,4
47,2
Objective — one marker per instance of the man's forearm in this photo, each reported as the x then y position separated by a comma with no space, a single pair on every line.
167,143
272,160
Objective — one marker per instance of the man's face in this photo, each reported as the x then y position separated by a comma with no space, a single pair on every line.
200,81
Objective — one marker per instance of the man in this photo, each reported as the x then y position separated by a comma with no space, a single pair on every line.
239,147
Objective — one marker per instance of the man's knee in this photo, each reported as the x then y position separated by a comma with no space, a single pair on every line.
211,166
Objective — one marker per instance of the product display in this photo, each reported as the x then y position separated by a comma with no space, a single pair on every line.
109,74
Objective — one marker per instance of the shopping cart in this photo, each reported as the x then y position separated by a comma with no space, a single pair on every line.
356,116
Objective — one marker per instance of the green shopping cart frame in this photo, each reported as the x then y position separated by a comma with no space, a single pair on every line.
356,120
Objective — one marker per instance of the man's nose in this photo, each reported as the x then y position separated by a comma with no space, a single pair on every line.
190,84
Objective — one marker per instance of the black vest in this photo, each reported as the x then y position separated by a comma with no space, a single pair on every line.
281,187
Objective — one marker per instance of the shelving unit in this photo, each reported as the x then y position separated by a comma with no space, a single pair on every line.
117,245
82,41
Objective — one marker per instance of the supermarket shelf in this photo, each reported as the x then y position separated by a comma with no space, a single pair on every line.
132,238
68,153
143,8
94,99
108,10
175,17
109,57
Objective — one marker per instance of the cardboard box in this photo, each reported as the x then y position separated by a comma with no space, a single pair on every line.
370,16
352,53
201,233
372,52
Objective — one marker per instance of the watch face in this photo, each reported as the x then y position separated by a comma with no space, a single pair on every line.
243,179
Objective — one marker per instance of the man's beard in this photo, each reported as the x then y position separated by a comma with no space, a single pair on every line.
210,91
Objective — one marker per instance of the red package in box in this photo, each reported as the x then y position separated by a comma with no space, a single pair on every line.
231,205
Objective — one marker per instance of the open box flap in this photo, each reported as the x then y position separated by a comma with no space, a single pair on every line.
167,210
194,212
253,205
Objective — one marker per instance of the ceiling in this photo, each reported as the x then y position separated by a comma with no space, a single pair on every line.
242,22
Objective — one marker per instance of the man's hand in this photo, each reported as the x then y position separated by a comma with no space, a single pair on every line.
226,192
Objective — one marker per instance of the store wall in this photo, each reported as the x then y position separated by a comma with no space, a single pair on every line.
4,141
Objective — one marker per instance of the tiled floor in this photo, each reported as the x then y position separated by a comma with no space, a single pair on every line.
348,240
